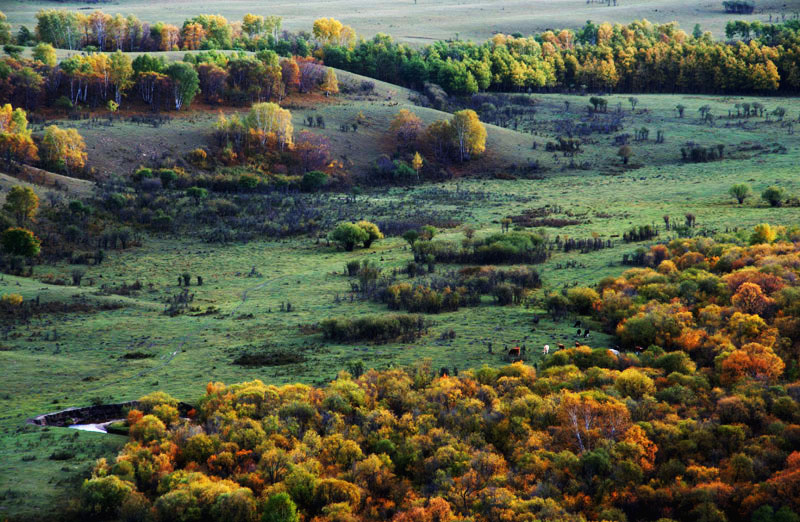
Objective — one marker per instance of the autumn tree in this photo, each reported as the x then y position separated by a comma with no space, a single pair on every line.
586,418
45,53
270,123
22,203
121,74
416,163
469,133
290,74
16,142
750,299
753,361
193,35
329,31
372,230
64,149
253,25
405,128
313,150
330,85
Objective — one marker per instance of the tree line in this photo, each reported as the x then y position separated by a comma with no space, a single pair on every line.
112,79
638,57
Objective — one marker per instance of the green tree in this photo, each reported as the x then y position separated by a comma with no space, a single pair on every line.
348,235
773,195
197,193
740,191
411,236
185,83
313,181
22,203
280,508
20,242
14,51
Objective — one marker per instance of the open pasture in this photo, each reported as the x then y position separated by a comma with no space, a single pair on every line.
423,21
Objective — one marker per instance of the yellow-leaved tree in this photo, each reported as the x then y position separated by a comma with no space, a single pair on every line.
268,123
16,143
330,85
469,133
64,149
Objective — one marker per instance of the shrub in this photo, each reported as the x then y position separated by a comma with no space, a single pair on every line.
633,383
167,176
142,173
513,247
372,231
197,193
198,157
557,305
20,242
11,300
411,237
582,299
424,299
101,497
773,195
348,235
313,181
740,191
763,233
380,329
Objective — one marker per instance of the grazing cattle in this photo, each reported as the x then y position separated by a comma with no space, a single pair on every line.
546,349
577,343
586,334
577,324
560,346
513,353
578,333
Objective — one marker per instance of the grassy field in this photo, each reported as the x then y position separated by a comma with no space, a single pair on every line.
58,361
62,360
425,20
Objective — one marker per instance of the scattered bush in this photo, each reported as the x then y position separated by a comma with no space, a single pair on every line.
379,329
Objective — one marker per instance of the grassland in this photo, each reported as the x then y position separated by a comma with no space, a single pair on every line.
58,361
426,20
62,360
